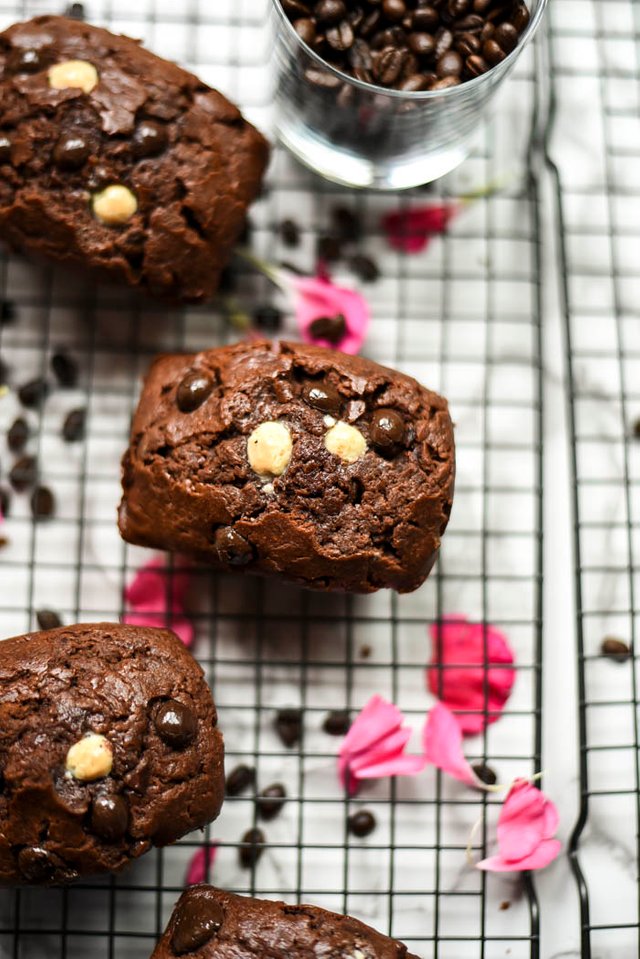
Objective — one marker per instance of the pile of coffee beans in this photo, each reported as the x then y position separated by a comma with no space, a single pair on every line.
410,45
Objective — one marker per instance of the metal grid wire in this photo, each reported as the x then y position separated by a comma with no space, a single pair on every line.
465,319
599,217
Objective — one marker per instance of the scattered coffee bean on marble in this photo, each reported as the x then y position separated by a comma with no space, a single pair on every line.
24,473
17,435
33,393
289,232
73,428
271,801
288,724
615,649
239,779
485,774
268,318
361,823
43,503
48,619
364,267
337,722
252,848
331,328
65,368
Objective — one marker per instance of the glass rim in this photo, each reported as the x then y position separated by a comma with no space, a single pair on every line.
418,95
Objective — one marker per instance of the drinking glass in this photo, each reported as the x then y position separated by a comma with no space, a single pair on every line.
362,135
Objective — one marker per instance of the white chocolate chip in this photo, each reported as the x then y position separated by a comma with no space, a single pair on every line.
329,420
345,441
268,489
73,73
269,449
90,758
114,205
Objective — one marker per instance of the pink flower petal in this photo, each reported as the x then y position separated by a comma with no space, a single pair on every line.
200,865
406,765
180,625
521,826
410,231
544,854
470,670
156,596
443,745
377,719
317,297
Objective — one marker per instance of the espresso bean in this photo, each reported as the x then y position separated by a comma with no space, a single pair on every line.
73,428
414,84
296,8
476,66
43,503
252,848
458,8
71,152
520,16
17,435
48,619
356,17
471,24
289,233
467,45
5,149
268,318
330,11
485,774
346,224
305,27
360,56
331,328
425,18
322,78
443,83
288,724
75,11
391,37
506,36
65,369
487,31
322,396
271,801
363,266
240,779
5,501
492,52
34,393
389,65
443,42
370,24
337,723
615,649
24,473
340,37
361,823
394,9
328,248
149,139
449,64
421,44
481,6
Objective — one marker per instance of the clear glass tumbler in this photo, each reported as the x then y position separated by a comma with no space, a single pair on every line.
363,135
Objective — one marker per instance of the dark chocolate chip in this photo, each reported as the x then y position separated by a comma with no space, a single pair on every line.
5,148
36,864
24,473
337,722
176,723
33,393
149,139
615,649
197,918
43,503
268,318
252,848
365,268
485,774
99,178
232,548
387,430
73,428
288,723
240,779
17,435
65,369
109,817
71,152
194,389
322,396
290,233
47,619
271,801
330,328
24,61
361,823
346,224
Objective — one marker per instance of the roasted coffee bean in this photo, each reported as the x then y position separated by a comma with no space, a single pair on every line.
346,224
360,56
615,649
43,503
330,11
391,37
421,44
305,27
476,66
337,723
520,16
371,24
341,36
389,65
636,428
415,84
232,548
252,848
75,11
149,139
5,148
506,36
458,8
65,369
449,65
239,779
71,152
196,920
109,817
34,393
425,18
485,774
289,233
17,435
363,266
322,396
271,801
331,328
22,60
24,473
394,9
355,17
73,428
492,52
361,823
296,8
481,6
471,24
176,723
8,312
388,430
443,83
467,45
5,501
288,724
194,389
328,248
268,318
48,619
487,32
443,42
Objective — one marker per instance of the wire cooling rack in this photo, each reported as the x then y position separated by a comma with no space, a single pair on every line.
464,318
598,44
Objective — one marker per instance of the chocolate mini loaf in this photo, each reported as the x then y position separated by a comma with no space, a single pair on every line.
212,924
324,469
108,745
118,162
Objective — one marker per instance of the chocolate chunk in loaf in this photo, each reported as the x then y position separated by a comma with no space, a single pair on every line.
118,162
324,469
212,924
108,745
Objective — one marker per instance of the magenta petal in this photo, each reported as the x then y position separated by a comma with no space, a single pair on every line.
403,765
551,819
544,854
409,231
148,587
156,595
378,718
200,865
521,826
316,297
443,745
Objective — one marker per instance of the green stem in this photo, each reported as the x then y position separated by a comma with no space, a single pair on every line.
265,268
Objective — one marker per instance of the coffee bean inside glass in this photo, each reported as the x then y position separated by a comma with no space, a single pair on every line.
388,94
